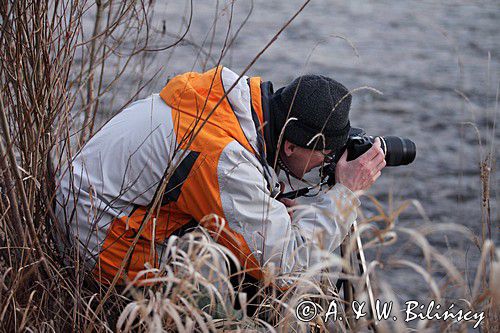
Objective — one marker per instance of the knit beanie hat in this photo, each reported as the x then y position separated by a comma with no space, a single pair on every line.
320,104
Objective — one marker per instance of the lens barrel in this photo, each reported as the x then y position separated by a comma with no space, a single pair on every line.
398,151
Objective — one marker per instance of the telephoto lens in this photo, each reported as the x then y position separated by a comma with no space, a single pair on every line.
398,151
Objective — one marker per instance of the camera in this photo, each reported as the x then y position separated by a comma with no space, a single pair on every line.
397,150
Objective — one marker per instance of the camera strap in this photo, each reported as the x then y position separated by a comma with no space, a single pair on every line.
288,172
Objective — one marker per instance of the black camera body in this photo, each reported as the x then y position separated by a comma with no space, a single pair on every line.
358,145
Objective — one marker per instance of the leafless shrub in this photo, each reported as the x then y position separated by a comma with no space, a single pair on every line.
52,73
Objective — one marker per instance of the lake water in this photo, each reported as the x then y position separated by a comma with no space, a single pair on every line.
436,63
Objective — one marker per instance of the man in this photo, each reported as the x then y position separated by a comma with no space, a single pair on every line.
214,138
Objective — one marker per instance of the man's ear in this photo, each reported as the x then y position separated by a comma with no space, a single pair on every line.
288,148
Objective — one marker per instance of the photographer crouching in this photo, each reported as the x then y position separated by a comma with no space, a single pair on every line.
220,140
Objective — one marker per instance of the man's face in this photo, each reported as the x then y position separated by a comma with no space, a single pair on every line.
301,160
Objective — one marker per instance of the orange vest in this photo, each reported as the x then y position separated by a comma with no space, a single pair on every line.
204,123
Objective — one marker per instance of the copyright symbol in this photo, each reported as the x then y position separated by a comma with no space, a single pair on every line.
306,311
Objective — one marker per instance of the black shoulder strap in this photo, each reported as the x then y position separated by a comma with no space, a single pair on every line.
272,184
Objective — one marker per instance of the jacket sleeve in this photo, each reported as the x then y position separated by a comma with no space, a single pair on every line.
291,245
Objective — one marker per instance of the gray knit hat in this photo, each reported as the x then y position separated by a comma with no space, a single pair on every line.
320,104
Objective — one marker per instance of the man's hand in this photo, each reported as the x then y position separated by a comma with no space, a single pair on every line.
361,173
287,202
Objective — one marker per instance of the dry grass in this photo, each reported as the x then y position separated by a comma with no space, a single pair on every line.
53,83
